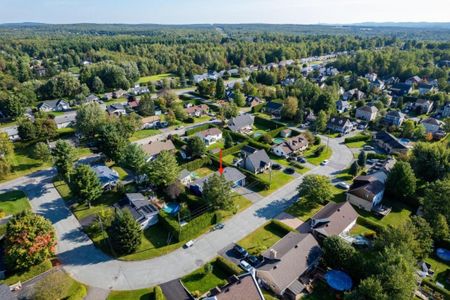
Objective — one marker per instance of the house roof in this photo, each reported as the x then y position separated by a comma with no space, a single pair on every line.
209,132
395,114
114,107
105,174
339,121
293,144
423,102
401,86
196,108
334,218
366,187
154,148
230,174
274,105
389,139
137,199
52,103
150,119
239,122
184,174
240,287
369,109
431,121
295,254
259,159
91,97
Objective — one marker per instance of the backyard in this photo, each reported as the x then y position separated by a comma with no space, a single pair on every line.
263,238
399,214
303,209
441,271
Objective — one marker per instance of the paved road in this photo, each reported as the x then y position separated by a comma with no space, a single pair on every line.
82,260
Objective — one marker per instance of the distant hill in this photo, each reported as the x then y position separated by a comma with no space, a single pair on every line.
440,25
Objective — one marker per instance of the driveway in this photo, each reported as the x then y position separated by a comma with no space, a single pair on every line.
87,264
174,290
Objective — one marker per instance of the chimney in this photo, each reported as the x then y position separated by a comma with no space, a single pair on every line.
273,254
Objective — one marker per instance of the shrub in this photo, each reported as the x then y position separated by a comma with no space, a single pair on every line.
373,155
227,266
319,150
190,120
79,293
273,133
258,107
191,229
196,164
297,165
259,145
159,293
233,149
357,138
268,123
370,224
282,226
317,140
177,141
436,288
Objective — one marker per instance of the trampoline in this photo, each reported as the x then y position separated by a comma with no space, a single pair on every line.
443,254
171,208
338,280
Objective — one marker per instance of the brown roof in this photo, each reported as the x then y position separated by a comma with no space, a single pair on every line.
210,131
334,218
370,109
150,119
295,254
202,108
242,287
294,143
155,148
366,187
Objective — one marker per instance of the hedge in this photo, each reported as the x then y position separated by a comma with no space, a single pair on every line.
357,138
282,226
228,266
373,155
159,295
258,107
191,229
259,145
436,288
273,133
197,129
177,141
238,135
370,224
268,123
296,164
319,150
233,149
196,164
79,293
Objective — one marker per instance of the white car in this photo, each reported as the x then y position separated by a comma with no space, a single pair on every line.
246,266
343,185
324,163
189,244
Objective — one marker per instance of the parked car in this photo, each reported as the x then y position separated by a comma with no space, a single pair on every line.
368,148
189,244
343,185
240,251
276,167
253,261
245,265
289,171
218,226
325,162
301,159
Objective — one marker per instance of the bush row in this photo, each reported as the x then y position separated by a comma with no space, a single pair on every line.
370,224
268,123
233,149
191,229
196,164
373,155
296,164
177,141
197,129
273,133
227,266
357,138
319,150
282,226
257,108
259,145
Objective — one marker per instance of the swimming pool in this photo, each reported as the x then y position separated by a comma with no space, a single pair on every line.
171,208
278,140
404,141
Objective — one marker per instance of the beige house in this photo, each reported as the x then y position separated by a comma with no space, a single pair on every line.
333,219
366,192
367,113
154,148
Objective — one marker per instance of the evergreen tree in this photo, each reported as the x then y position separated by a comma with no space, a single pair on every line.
124,233
164,170
64,158
401,181
217,191
220,89
87,185
228,143
362,159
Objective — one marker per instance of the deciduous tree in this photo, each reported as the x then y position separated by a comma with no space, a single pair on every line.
86,183
217,191
316,188
164,170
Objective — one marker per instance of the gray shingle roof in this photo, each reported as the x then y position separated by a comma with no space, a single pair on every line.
239,122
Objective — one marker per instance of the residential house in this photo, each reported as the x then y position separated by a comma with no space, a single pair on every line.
230,174
91,99
210,136
446,110
288,81
40,71
431,125
255,160
12,132
242,123
423,106
274,108
392,80
116,109
353,94
185,177
139,90
401,89
118,94
291,146
333,219
377,84
150,122
107,96
366,192
343,106
389,143
340,124
153,149
310,117
142,211
252,101
367,113
425,88
243,286
371,76
413,80
65,120
197,110
53,105
133,102
394,118
107,176
288,263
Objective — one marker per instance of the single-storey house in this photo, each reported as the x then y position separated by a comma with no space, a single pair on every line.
150,122
423,106
243,286
389,143
431,125
291,146
142,211
333,219
394,118
118,94
353,94
367,113
154,148
255,160
116,109
210,136
242,124
230,174
65,120
366,192
340,124
413,80
107,176
197,110
53,105
252,101
288,263
92,98
274,108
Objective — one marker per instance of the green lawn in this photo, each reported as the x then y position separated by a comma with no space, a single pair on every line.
359,144
441,271
199,281
229,158
279,179
203,171
263,238
143,294
361,230
75,70
344,175
268,295
142,134
157,77
27,275
63,190
217,145
104,202
122,173
303,210
399,214
13,202
311,158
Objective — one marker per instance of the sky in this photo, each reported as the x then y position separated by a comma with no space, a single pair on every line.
224,11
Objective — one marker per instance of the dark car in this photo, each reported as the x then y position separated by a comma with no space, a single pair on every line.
301,159
289,171
276,167
240,251
253,261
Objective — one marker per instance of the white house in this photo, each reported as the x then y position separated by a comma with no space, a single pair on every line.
368,113
53,105
210,136
142,211
366,192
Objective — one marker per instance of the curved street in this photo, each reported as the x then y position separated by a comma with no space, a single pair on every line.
82,260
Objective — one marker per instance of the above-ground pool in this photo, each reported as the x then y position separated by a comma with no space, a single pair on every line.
338,280
443,254
171,208
278,140
404,141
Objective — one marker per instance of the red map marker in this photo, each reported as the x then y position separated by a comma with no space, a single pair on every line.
220,163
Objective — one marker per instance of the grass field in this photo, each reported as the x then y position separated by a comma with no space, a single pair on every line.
399,214
303,210
143,294
142,134
263,238
157,77
279,179
14,202
27,275
441,270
